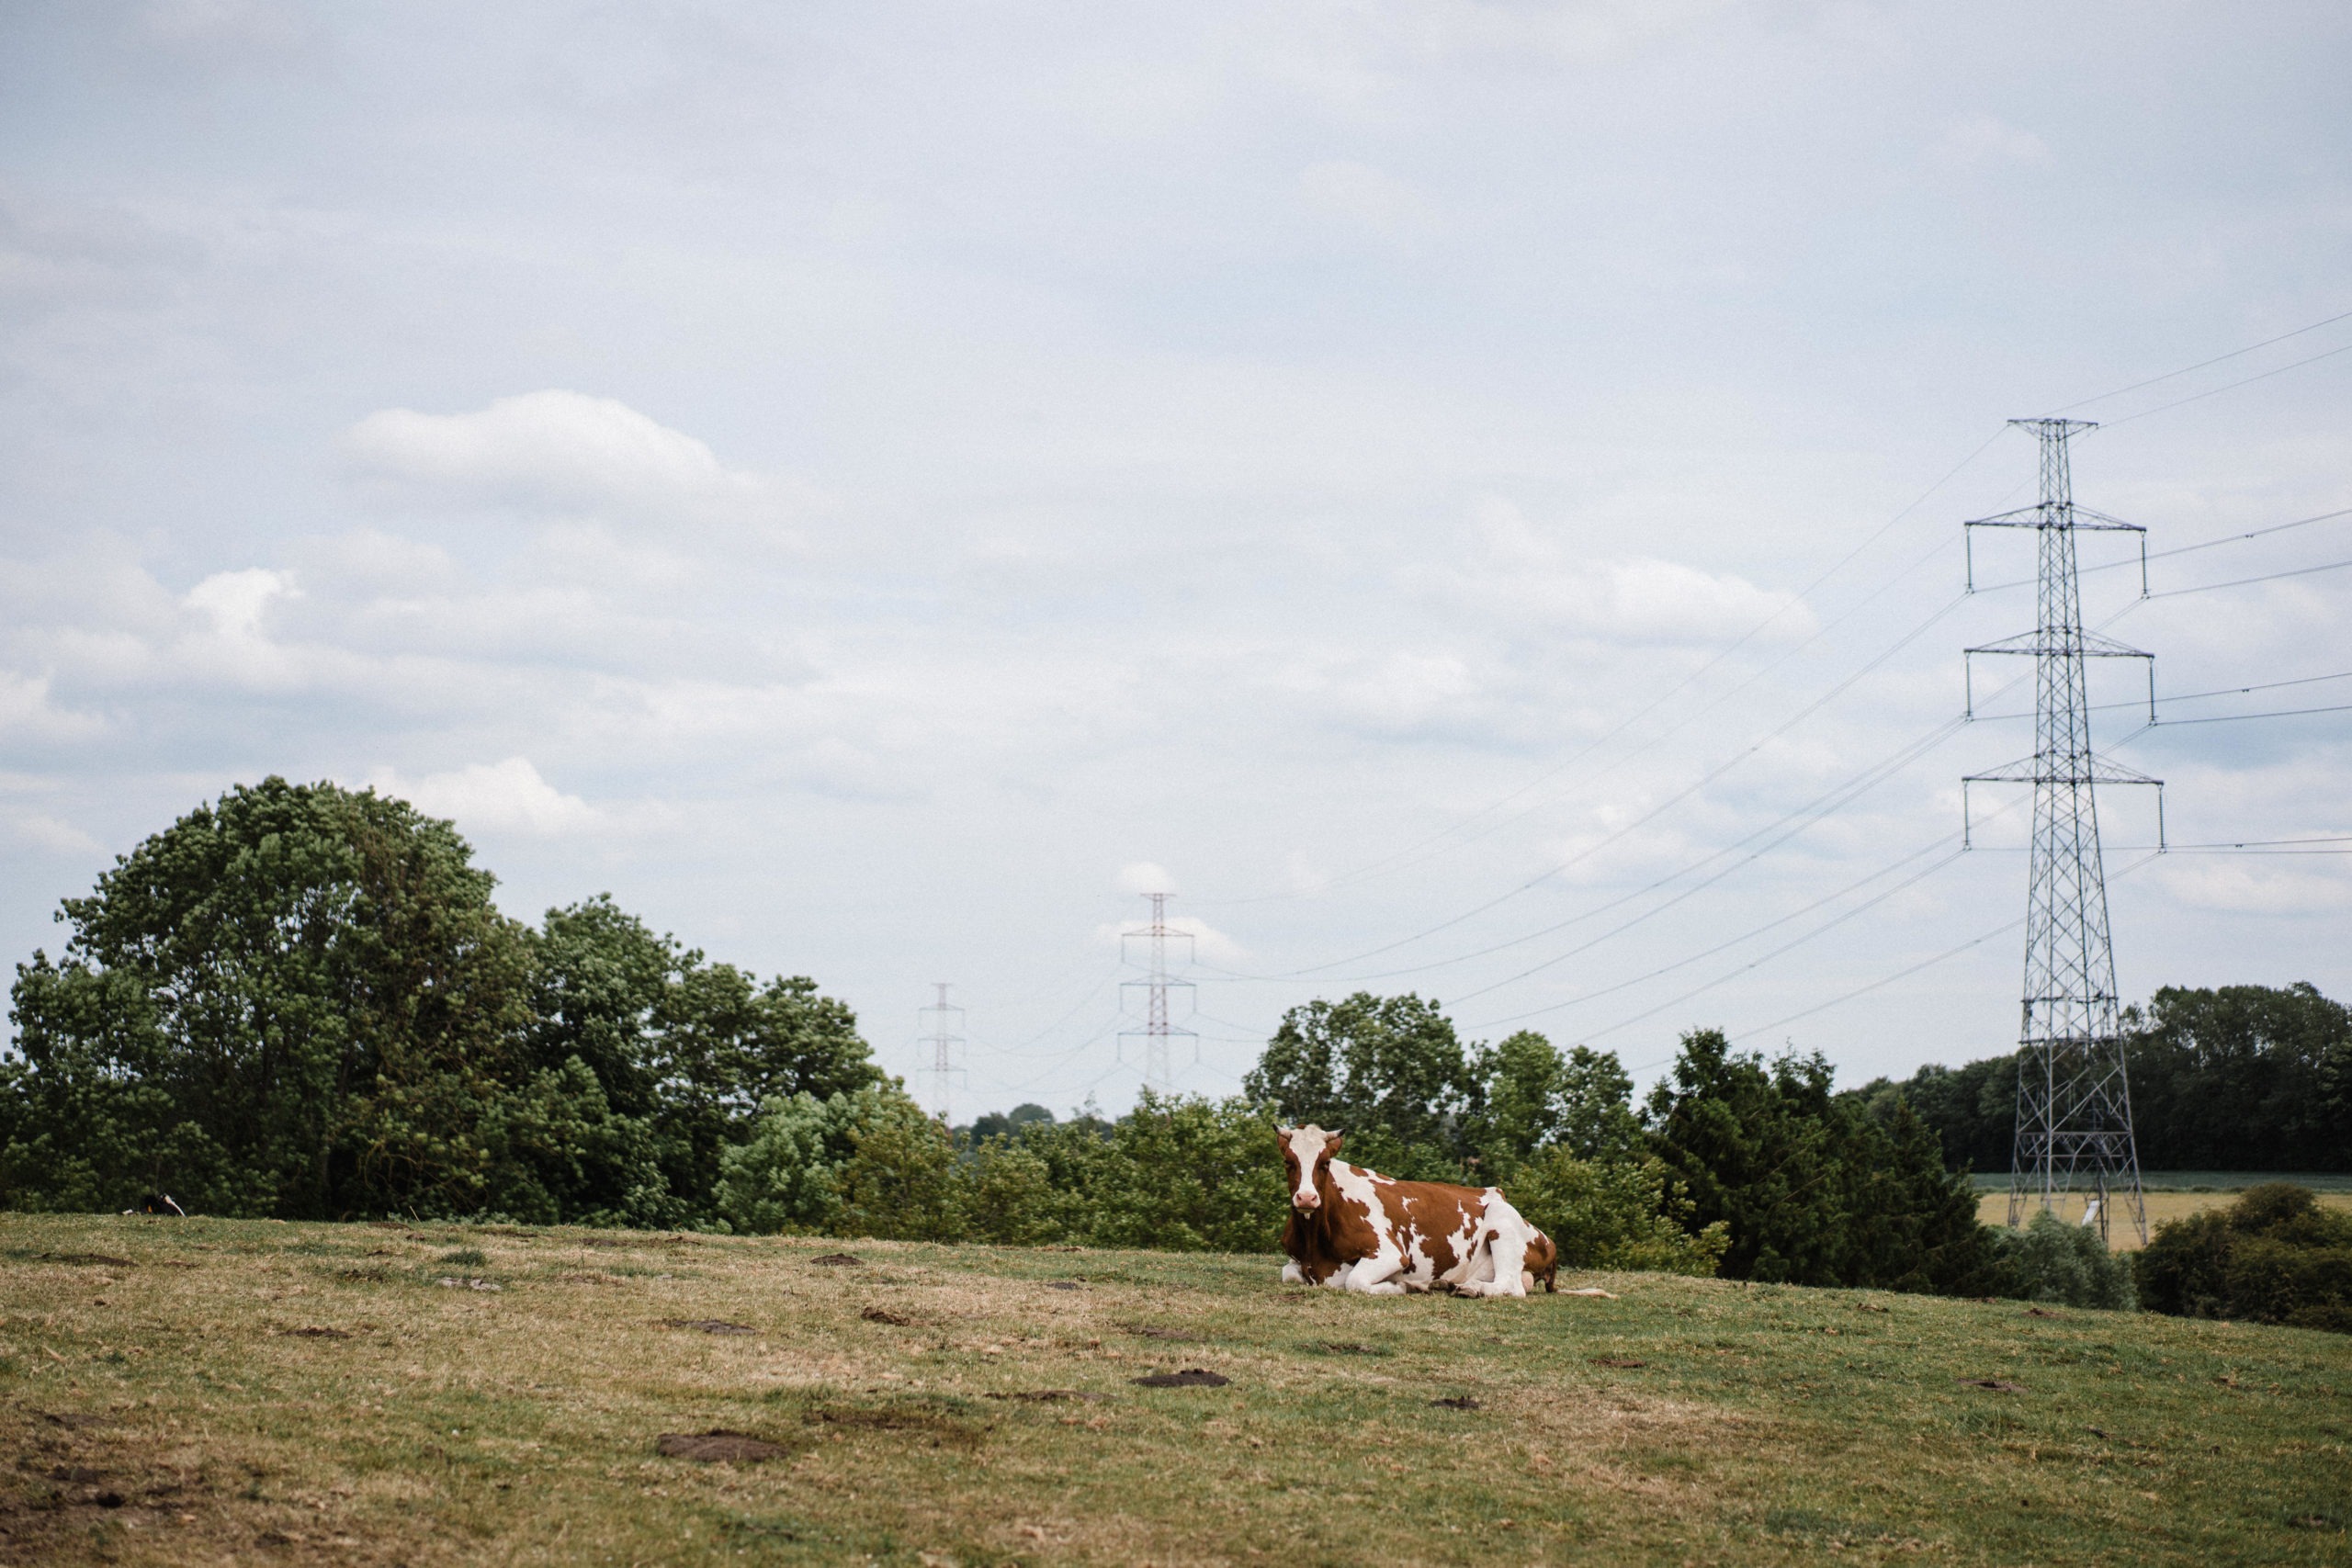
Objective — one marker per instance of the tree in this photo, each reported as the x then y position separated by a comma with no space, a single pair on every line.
691,1048
297,1001
1616,1214
2242,1077
1813,1188
1001,1124
2238,1078
300,1001
1534,1098
2275,1256
1190,1175
1389,1071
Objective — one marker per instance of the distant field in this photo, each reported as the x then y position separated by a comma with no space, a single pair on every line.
2163,1204
2203,1181
215,1391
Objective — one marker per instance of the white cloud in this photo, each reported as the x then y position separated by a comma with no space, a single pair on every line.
1144,876
235,601
557,449
49,835
26,712
1981,139
508,796
1190,938
1621,598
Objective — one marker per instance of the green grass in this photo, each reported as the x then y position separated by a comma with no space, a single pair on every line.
208,1390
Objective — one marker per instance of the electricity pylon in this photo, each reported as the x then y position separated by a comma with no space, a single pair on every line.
942,1042
1159,1029
2073,1121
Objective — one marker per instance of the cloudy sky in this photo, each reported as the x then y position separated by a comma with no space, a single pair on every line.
1466,495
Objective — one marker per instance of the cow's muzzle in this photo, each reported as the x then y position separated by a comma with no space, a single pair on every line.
1306,1202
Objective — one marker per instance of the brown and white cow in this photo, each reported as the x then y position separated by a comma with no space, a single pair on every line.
1355,1229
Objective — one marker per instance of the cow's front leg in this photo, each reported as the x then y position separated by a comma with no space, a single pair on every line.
1292,1274
1378,1276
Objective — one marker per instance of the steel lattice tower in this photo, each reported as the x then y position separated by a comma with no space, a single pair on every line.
1157,1030
942,1043
2073,1121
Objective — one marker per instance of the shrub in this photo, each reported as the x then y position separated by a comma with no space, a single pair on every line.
2053,1261
2275,1256
1623,1213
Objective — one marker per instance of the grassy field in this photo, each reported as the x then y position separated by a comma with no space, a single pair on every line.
1992,1208
2202,1180
207,1390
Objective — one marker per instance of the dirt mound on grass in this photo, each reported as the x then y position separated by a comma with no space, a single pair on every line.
718,1446
1191,1377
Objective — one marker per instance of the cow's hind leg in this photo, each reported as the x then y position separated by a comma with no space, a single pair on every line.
1507,1258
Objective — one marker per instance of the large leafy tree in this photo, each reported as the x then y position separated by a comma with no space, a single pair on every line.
2242,1078
1534,1098
689,1049
1389,1071
298,1002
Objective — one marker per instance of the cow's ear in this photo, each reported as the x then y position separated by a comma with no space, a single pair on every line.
1333,1145
1282,1134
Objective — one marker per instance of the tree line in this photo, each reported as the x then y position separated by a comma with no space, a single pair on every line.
2238,1078
300,1001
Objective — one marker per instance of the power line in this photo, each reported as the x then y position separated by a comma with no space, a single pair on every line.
2232,386
1404,855
2246,581
1906,973
2206,364
1651,815
2241,717
2198,696
2178,550
1749,935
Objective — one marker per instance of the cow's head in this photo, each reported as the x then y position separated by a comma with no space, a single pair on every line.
1306,1151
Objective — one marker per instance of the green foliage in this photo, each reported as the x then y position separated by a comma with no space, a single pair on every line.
2275,1256
1616,1214
900,1180
300,1001
2238,1078
1814,1189
1534,1098
1009,1195
2242,1077
2065,1265
1190,1175
1388,1071
785,1178
1004,1124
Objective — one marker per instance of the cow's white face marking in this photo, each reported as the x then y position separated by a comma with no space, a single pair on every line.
1309,1146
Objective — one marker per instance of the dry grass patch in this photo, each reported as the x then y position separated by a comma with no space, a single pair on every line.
290,1393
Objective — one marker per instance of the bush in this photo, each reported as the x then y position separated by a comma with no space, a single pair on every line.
1625,1213
2275,1256
2065,1265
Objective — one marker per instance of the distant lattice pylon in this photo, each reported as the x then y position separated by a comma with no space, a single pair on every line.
2073,1116
941,1067
1159,1028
